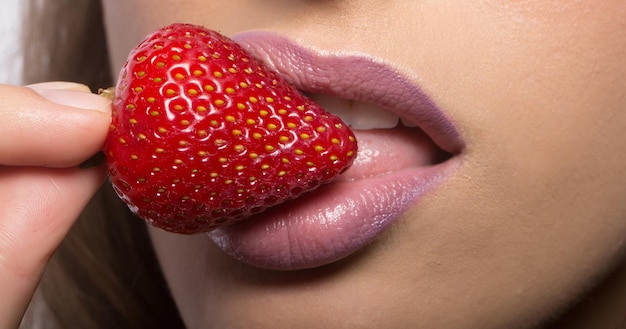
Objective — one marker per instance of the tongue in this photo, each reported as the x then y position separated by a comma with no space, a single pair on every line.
386,150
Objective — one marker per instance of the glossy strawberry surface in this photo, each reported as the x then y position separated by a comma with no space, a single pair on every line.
204,135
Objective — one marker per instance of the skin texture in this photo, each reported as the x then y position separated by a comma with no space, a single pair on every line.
533,218
36,180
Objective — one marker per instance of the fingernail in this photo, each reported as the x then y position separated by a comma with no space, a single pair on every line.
72,94
59,85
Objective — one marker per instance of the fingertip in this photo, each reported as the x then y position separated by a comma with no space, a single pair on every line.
72,94
57,124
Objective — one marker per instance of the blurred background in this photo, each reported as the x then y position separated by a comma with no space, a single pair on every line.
11,47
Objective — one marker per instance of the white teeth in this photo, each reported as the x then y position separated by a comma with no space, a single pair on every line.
357,115
368,116
337,106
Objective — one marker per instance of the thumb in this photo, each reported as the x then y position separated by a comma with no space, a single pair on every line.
37,208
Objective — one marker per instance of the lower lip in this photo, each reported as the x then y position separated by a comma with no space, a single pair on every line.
331,223
338,219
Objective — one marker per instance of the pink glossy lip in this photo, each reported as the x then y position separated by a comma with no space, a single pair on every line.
338,219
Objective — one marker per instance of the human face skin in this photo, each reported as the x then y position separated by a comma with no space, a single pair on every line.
532,211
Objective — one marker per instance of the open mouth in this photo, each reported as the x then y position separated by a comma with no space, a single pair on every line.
387,142
407,147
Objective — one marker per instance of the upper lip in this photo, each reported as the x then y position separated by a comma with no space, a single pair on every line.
344,76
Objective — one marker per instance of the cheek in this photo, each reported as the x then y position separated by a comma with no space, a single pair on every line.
539,91
541,100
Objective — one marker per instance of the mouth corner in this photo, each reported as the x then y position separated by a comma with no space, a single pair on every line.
370,121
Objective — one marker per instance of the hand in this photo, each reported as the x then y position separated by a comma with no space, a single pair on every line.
46,131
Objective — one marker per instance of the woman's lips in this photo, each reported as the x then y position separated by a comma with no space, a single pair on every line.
393,170
353,77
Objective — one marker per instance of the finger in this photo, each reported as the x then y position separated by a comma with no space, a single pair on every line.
51,124
39,207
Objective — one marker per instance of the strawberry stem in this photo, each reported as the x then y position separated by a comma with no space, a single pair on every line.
108,93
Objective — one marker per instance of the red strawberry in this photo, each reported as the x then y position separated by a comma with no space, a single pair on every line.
203,134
